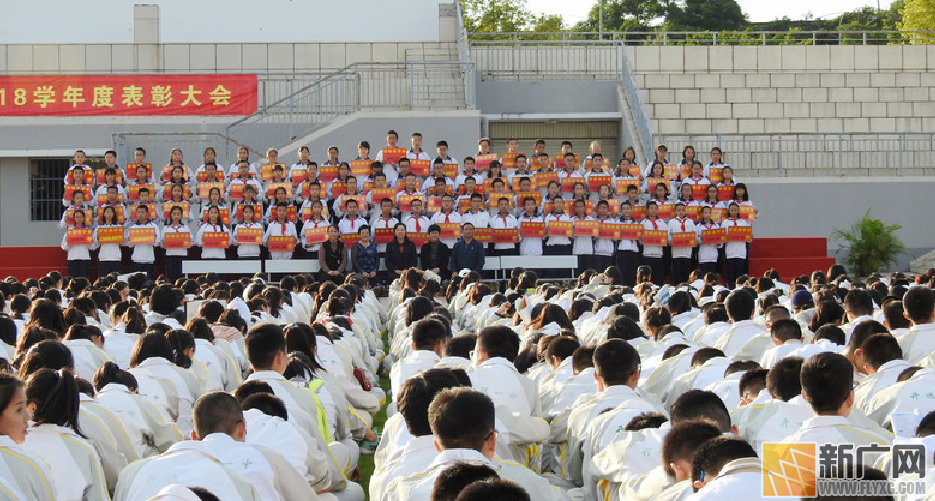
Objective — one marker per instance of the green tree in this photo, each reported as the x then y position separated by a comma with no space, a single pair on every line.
869,245
706,15
625,15
497,16
917,15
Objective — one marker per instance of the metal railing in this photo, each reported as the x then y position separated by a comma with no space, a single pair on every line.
548,60
358,87
158,146
794,37
814,154
636,105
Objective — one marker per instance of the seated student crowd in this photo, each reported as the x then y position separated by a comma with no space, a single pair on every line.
584,390
522,204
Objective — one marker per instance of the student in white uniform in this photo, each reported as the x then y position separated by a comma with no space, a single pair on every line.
53,398
652,254
678,449
740,307
707,253
280,228
247,250
174,256
530,246
919,306
212,225
79,256
681,256
734,252
447,216
25,474
143,256
557,246
428,340
727,468
161,381
86,344
504,221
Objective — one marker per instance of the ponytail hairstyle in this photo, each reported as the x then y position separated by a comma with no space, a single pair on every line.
134,322
151,345
644,274
55,394
273,298
47,315
300,337
110,373
181,341
48,354
199,329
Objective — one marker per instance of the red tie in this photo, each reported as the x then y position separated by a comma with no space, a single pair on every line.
352,224
283,229
418,226
446,219
683,225
654,224
215,227
504,221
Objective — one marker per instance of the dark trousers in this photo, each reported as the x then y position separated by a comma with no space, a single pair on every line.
735,268
148,268
707,268
173,268
79,268
557,250
628,261
105,268
656,264
601,262
681,268
504,252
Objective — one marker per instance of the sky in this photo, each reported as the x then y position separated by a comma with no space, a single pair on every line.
757,10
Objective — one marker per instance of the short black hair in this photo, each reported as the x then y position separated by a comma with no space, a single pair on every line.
711,457
251,388
879,349
740,305
701,356
827,379
615,361
499,341
858,302
646,420
562,347
919,303
500,490
428,332
263,343
684,439
785,329
462,418
832,333
700,404
863,331
784,380
216,412
416,395
454,479
461,346
582,358
752,381
267,403
624,327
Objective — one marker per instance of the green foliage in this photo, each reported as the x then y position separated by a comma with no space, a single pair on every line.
869,245
917,15
624,15
706,15
499,16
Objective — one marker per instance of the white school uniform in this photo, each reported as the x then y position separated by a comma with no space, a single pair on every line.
88,357
295,446
277,229
246,250
653,251
180,228
838,430
734,250
143,253
918,343
102,191
405,368
348,226
507,222
499,379
530,246
448,218
738,479
626,245
24,474
553,217
677,225
78,252
77,466
417,224
147,427
480,219
157,378
313,224
211,253
707,253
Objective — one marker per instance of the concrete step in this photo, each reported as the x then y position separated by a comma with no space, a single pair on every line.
922,263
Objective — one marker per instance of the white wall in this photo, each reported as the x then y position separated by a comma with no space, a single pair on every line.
220,21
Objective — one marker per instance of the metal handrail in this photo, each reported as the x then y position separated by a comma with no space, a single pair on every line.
792,37
641,119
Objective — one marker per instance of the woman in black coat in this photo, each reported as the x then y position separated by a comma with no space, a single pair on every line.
400,252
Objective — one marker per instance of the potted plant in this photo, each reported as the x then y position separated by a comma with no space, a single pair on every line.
869,245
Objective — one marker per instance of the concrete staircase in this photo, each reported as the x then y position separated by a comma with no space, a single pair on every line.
922,263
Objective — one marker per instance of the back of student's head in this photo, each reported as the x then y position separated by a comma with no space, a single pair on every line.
417,394
110,373
493,490
461,346
717,313
164,300
752,383
740,305
784,380
700,404
858,302
616,361
785,329
461,418
895,315
879,349
679,302
711,457
919,303
499,341
926,425
454,479
862,332
210,311
741,366
267,403
832,333
417,308
655,317
646,420
561,348
48,354
263,343
55,396
249,388
583,358
683,439
624,328
216,412
827,380
701,356
427,333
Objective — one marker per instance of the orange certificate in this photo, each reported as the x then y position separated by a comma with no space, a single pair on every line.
482,162
257,211
451,170
709,237
543,179
71,189
725,193
249,236
532,230
392,155
638,213
266,171
215,239
568,183
186,191
450,230
134,191
132,168
666,211
316,235
670,171
716,174
685,171
418,239
405,201
152,210
368,186
434,204
87,175
718,214
683,239
350,239
102,200
496,197
167,172
624,184
299,176
631,231
419,167
281,244
327,173
506,236
464,204
659,238
693,212
110,235
378,194
117,179
595,181
338,188
204,189
360,199
652,182
740,234
699,191
360,168
142,236
83,236
224,215
535,195
560,161
587,228
167,209
609,231
747,213
272,187
561,229
177,240
486,235
634,171
100,218
383,235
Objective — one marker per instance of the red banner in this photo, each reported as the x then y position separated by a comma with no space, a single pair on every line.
659,238
609,231
747,213
257,211
588,163
110,235
451,170
405,201
281,244
186,191
506,236
249,236
568,183
561,229
638,213
142,236
418,239
132,168
204,189
624,184
652,182
202,177
134,191
71,189
378,194
96,95
634,171
360,199
420,168
327,173
630,231
316,235
450,230
740,234
595,181
215,239
587,228
709,237
543,179
118,178
699,191
272,187
725,193
392,155
118,211
716,174
535,195
486,235
693,212
534,230
383,235
177,240
683,239
338,188
665,211
685,171
434,204
560,161
167,209
670,171
360,168
83,236
350,239
482,162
